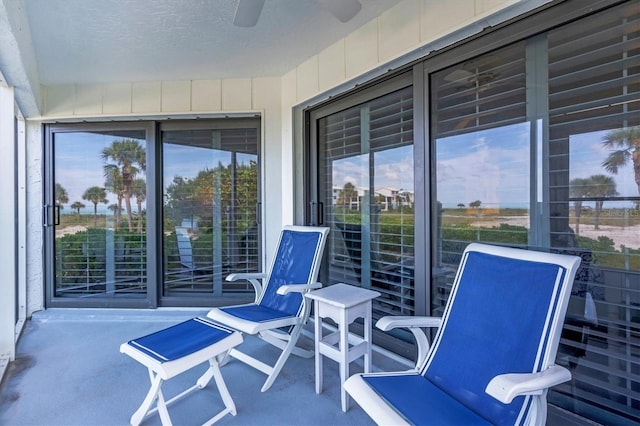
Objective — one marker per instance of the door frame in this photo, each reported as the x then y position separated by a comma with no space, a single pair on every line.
154,251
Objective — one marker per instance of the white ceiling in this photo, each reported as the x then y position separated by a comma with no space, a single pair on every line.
104,41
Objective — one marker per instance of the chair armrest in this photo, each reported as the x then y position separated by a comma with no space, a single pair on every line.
246,276
297,288
505,387
252,277
390,322
414,324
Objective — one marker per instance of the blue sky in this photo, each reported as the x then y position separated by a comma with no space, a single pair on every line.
78,164
587,155
491,166
393,169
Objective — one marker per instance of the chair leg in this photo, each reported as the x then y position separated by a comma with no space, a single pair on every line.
222,389
154,393
281,342
289,347
162,409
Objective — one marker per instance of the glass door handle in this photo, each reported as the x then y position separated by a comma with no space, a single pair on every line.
320,213
258,210
46,216
316,213
313,214
50,212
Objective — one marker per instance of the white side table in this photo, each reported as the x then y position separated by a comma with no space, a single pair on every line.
343,304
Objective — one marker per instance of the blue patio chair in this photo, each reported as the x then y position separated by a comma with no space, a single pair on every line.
492,359
280,309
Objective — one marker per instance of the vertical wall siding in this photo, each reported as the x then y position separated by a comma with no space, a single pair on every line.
154,97
398,31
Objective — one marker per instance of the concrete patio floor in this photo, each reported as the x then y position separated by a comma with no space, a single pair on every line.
69,371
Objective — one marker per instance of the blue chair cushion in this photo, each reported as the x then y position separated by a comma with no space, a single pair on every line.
256,313
293,265
497,323
421,402
181,339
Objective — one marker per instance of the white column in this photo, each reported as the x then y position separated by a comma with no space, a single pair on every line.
21,186
7,227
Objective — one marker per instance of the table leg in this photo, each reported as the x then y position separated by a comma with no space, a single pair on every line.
367,339
344,358
318,356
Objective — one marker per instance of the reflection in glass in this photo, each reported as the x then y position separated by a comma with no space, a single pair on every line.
603,187
366,161
482,160
594,117
210,203
100,234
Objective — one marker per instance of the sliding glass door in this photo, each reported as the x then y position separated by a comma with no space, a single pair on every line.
96,214
365,193
482,144
151,214
210,209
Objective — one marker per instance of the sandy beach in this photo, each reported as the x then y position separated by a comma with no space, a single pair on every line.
628,236
69,230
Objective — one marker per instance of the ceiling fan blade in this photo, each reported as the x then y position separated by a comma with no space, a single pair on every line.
247,13
344,10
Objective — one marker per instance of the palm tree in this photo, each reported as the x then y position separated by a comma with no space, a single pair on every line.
116,213
96,195
579,188
113,183
129,156
77,205
61,195
625,146
140,192
346,195
602,186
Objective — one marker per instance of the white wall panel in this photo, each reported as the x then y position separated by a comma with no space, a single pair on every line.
176,96
266,93
266,97
116,98
307,75
146,97
331,66
361,49
236,94
88,100
289,97
399,29
456,12
60,100
206,95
